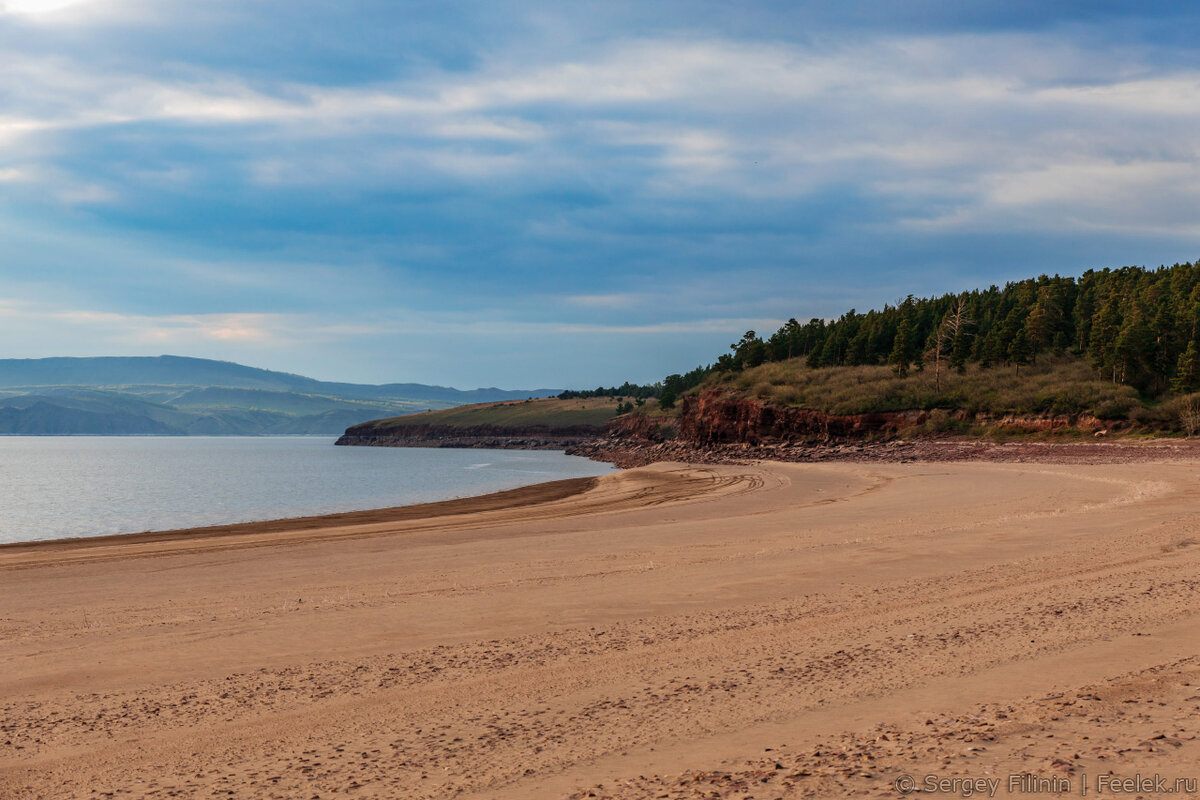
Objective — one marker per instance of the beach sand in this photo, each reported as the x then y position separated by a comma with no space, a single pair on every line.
764,631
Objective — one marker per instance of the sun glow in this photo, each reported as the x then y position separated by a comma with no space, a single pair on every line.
37,6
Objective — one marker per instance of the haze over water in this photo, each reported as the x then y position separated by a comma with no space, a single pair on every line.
58,487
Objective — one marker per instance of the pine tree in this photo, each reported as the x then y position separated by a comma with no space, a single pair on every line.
1187,372
902,346
1019,350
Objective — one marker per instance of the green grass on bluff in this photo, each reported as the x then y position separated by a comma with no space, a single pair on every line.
1056,384
548,412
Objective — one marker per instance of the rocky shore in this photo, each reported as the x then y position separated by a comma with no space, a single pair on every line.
712,428
480,437
627,453
486,442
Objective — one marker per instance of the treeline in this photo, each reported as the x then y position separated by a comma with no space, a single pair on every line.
1137,326
665,391
626,389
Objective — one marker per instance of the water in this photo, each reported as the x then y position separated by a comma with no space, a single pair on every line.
55,487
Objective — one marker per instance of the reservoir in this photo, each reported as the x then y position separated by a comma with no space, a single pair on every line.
53,487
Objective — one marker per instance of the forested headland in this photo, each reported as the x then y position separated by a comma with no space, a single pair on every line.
1117,344
1135,326
1112,349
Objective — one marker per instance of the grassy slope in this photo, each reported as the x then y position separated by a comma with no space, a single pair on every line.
550,412
1055,385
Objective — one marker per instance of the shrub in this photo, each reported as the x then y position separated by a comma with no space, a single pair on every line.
788,395
1176,414
1189,415
1116,408
1057,384
942,421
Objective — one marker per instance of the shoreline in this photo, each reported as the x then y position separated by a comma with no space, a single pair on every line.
624,454
627,453
550,500
801,629
534,493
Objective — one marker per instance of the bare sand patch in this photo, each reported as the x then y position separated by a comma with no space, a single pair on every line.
764,630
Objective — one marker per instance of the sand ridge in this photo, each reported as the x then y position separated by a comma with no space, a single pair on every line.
650,634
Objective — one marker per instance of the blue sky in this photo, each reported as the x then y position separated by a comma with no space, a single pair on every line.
564,194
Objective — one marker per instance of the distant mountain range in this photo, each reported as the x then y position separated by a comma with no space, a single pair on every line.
197,396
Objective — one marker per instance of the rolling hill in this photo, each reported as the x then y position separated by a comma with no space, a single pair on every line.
177,395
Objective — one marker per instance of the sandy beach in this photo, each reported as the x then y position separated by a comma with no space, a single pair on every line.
734,631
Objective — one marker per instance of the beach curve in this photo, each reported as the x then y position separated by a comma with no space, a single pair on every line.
644,635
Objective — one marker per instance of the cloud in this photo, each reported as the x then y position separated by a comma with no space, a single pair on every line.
170,330
294,329
37,7
407,340
614,300
764,120
87,194
256,176
32,15
498,129
1174,95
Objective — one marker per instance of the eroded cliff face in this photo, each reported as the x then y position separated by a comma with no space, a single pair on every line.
643,427
713,418
713,425
715,428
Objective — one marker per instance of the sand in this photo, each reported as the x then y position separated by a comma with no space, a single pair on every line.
764,631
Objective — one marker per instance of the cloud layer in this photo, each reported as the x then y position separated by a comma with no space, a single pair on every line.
441,192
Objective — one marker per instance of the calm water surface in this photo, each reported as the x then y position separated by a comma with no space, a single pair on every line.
53,487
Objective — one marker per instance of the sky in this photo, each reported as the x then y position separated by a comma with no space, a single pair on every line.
565,194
